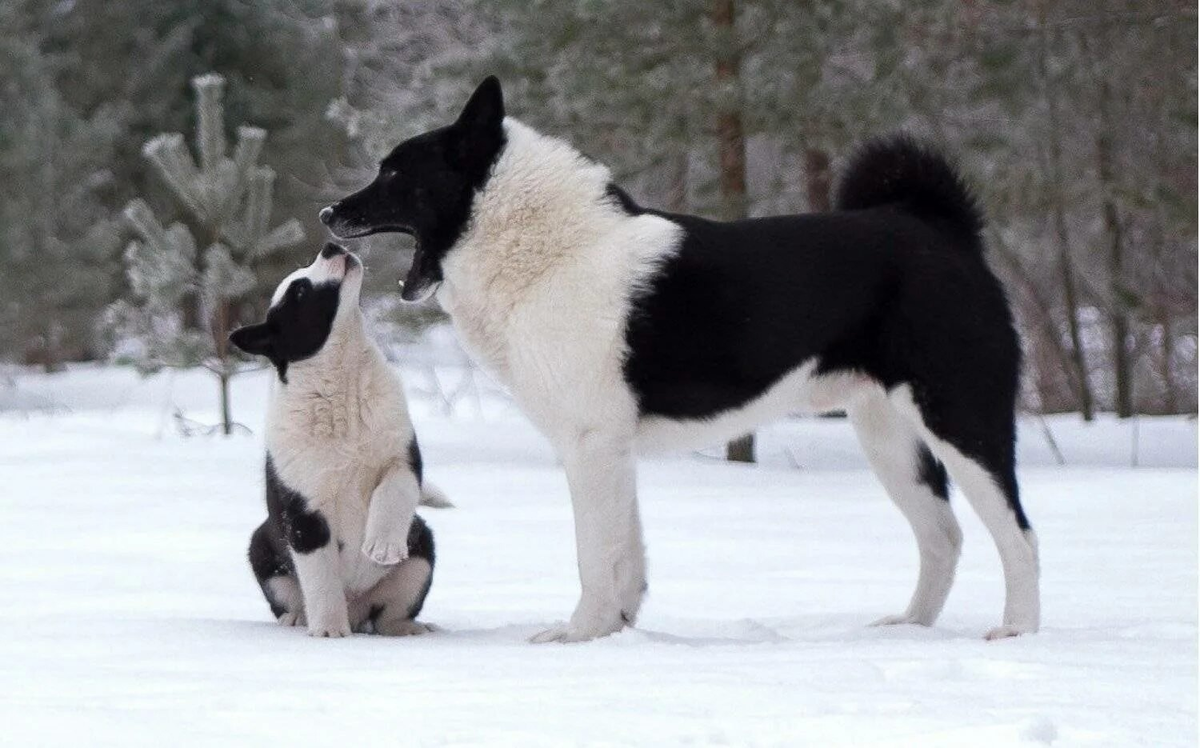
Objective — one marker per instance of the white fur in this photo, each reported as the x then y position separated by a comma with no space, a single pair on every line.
801,391
285,591
892,447
338,432
545,245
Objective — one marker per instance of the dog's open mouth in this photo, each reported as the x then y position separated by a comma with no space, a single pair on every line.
351,231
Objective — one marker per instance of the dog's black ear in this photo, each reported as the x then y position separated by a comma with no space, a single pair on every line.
253,339
480,127
485,108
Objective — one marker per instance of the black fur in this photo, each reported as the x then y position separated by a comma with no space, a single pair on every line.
903,171
420,545
425,187
895,286
296,327
932,473
414,460
303,529
269,559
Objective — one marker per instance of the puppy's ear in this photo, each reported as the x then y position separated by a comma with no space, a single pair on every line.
480,127
253,339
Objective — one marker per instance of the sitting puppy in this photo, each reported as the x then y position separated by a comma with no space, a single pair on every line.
341,549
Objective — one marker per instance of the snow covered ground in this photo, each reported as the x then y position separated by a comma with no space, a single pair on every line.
130,616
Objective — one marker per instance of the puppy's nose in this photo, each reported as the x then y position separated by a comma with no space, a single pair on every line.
326,214
332,250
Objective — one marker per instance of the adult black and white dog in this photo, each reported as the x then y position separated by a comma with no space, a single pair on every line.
342,549
616,327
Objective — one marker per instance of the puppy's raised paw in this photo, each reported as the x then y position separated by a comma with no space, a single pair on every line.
385,553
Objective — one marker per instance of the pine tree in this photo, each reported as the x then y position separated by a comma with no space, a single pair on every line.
186,291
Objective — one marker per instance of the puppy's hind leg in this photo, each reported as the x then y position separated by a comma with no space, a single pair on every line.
395,601
276,578
916,482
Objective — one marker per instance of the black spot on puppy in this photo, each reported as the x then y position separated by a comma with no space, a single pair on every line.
414,460
268,560
305,531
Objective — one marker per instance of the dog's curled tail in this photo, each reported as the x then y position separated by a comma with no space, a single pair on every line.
915,177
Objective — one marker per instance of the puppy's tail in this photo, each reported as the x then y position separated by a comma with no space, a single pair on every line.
914,177
435,497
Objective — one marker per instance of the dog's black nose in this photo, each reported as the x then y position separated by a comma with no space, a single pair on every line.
332,250
326,214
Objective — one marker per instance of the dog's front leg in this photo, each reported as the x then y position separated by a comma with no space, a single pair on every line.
608,537
390,515
322,589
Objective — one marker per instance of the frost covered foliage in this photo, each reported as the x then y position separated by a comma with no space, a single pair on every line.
186,279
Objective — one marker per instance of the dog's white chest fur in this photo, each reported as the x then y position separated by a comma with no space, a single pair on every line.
543,234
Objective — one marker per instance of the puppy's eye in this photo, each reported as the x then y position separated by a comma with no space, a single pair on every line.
298,291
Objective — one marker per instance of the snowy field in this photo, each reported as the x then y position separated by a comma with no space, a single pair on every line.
130,615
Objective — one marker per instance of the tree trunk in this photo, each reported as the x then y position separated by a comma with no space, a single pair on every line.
678,188
818,176
226,420
1170,401
1078,358
741,449
1118,301
221,342
731,135
731,141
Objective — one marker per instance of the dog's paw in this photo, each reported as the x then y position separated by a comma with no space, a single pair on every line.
899,620
402,627
568,633
1008,631
331,629
292,618
386,551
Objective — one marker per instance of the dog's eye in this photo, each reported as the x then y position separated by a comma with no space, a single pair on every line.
298,291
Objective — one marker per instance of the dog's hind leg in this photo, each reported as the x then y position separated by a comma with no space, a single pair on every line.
394,602
916,482
276,578
976,446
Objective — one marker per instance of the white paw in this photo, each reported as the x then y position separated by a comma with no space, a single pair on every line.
403,627
386,552
292,618
567,633
334,629
900,620
1007,631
